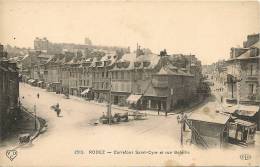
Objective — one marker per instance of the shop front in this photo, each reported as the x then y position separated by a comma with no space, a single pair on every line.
74,91
40,84
134,101
54,87
87,94
241,131
32,82
154,103
119,98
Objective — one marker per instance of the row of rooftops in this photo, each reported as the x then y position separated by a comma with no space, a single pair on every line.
8,66
250,49
5,64
128,61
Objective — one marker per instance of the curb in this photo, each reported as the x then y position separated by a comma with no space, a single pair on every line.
38,127
38,124
115,107
142,111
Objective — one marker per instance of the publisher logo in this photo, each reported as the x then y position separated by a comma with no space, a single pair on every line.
245,157
11,154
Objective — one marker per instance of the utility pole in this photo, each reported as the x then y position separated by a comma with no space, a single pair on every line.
109,99
182,120
69,83
238,79
35,117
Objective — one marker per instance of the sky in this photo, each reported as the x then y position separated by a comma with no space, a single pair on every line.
207,29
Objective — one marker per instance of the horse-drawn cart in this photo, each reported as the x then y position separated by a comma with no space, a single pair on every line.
24,138
118,117
56,109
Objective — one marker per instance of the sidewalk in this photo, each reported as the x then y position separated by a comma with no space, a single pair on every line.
126,109
147,112
26,125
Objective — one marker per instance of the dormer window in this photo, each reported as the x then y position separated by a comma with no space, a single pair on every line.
108,62
126,64
98,63
146,63
119,65
137,64
254,52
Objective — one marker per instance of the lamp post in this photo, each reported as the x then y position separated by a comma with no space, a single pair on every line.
109,100
181,119
35,117
68,83
238,79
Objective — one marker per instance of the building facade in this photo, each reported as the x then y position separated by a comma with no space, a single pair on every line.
140,79
243,72
9,94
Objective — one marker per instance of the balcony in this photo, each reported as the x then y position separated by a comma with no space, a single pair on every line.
160,84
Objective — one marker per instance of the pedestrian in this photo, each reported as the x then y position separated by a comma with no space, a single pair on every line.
38,95
57,109
58,112
159,107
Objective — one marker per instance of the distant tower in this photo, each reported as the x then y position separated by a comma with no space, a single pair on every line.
88,41
41,44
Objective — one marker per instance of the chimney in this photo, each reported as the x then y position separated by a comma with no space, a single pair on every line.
138,50
1,50
13,65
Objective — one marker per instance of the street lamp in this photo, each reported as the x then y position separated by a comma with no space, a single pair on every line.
35,117
182,119
109,114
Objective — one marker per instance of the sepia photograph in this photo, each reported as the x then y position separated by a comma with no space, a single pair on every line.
129,83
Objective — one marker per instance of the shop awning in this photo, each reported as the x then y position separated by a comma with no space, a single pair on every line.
133,98
85,92
243,110
244,123
31,80
247,110
40,82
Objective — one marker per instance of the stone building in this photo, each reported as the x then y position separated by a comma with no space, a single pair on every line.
140,79
148,81
41,44
75,73
174,84
85,87
9,93
52,73
100,68
131,76
243,72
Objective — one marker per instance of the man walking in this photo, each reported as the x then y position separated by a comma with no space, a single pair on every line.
38,95
159,107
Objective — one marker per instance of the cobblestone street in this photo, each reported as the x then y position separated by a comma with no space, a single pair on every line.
73,132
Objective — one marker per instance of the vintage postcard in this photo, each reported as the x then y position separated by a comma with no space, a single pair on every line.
129,83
